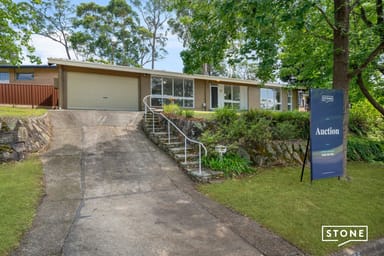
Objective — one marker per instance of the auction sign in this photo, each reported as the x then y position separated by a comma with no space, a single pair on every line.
326,133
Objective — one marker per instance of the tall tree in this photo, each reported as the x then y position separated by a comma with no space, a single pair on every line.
109,33
155,15
54,21
314,43
15,32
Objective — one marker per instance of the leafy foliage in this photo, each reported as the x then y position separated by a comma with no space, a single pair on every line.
232,165
155,15
16,31
109,33
362,149
189,113
365,121
226,115
251,130
172,108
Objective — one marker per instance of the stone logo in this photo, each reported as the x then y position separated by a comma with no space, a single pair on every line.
327,98
344,233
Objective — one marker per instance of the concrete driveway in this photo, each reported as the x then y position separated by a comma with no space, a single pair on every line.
110,191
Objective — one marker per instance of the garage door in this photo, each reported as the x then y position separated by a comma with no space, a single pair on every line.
94,91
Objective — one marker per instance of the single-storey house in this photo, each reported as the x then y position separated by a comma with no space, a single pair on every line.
85,85
28,74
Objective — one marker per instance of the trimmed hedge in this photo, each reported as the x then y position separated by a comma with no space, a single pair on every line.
254,128
360,149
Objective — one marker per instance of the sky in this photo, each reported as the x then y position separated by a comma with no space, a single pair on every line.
46,48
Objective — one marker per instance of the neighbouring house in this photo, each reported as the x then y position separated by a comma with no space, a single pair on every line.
85,85
28,74
32,85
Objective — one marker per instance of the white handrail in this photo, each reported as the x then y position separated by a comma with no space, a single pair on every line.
169,122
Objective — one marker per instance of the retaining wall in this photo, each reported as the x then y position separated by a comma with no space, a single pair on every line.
19,136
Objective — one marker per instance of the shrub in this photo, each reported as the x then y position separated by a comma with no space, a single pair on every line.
189,113
225,115
296,124
285,131
365,120
362,149
172,108
257,133
231,165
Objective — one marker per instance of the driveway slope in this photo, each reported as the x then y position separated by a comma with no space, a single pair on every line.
110,191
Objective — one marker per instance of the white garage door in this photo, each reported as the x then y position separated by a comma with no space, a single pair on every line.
106,92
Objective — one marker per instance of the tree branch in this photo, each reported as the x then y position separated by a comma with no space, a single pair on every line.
370,58
363,16
366,93
324,38
356,3
333,27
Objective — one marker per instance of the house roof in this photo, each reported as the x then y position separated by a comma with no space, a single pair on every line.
26,66
92,65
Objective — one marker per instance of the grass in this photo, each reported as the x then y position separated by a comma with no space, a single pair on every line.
21,112
296,211
21,188
208,115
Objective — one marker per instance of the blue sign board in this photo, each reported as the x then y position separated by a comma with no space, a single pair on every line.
326,133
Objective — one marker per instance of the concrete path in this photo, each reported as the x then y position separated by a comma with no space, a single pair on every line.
110,191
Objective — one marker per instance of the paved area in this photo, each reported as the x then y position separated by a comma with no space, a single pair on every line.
110,191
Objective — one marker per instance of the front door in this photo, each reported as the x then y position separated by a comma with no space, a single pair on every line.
217,96
214,97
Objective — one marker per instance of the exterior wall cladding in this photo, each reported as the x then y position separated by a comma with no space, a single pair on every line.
251,92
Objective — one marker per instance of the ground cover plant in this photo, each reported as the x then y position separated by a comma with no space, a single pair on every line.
276,199
21,187
231,165
21,112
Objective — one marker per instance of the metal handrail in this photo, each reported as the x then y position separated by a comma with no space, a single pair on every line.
169,122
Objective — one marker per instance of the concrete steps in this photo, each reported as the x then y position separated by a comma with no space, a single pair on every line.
174,146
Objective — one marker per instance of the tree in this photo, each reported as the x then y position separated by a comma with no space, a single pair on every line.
54,21
15,33
155,15
109,34
313,43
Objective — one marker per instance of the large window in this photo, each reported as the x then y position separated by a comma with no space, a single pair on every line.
165,90
232,96
270,98
24,76
4,77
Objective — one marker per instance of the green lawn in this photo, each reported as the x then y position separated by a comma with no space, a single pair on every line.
21,188
296,211
21,112
209,115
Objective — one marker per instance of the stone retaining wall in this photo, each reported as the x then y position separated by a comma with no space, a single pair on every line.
272,154
23,135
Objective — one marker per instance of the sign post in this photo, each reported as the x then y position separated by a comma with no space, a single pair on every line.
326,133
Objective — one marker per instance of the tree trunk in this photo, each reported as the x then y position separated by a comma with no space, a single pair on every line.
341,63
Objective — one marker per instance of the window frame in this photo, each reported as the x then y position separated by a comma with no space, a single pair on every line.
232,101
277,105
5,81
31,74
166,98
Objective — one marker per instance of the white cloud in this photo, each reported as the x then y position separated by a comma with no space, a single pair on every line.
45,48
